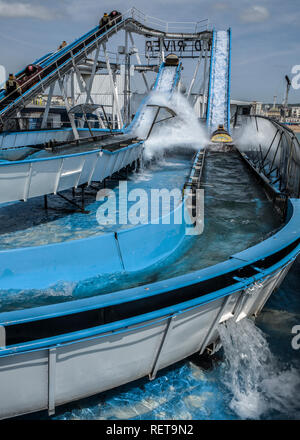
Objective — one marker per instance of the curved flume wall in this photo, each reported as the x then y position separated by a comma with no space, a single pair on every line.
178,317
128,250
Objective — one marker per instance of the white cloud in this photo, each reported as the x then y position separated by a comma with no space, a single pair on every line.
255,14
25,10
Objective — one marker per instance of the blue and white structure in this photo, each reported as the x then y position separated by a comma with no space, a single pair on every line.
58,353
218,110
49,175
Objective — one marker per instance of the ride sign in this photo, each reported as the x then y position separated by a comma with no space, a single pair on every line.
185,48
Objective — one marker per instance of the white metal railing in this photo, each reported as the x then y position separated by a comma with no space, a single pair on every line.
274,150
168,26
50,175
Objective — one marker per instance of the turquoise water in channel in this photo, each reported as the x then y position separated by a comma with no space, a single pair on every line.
237,215
191,390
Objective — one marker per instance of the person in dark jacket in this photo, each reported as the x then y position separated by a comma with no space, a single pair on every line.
104,22
11,86
62,45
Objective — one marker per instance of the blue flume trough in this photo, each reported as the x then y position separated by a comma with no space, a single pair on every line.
15,145
129,250
289,234
59,353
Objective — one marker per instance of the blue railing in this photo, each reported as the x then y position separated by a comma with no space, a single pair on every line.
229,82
60,54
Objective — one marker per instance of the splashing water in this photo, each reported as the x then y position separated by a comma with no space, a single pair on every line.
248,137
258,383
181,131
257,386
147,114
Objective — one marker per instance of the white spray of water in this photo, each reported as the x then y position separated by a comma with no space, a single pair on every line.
255,137
180,131
253,375
147,114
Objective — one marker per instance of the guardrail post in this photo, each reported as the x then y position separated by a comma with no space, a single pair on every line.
213,326
154,369
51,380
2,336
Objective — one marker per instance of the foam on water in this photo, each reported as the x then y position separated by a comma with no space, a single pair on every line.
257,382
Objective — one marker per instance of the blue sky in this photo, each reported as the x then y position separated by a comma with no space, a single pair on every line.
265,45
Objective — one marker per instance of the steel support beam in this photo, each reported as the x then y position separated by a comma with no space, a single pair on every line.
83,89
204,104
20,120
127,81
72,88
162,52
91,79
47,108
195,73
114,88
137,55
70,115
